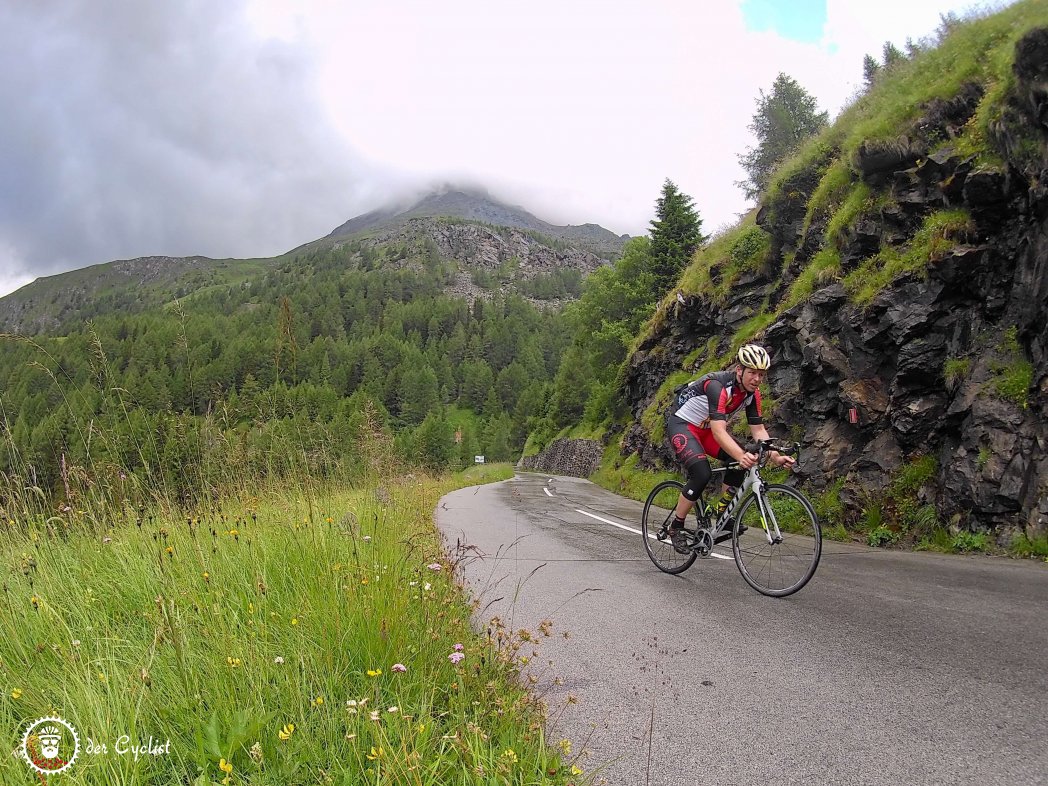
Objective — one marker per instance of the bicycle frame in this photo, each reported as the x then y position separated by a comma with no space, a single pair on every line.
751,484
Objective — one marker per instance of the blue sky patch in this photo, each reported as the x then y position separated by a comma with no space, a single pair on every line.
799,20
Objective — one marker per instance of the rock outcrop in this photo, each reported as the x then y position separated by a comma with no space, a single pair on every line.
949,360
517,254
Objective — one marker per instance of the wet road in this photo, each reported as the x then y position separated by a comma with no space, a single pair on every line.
888,668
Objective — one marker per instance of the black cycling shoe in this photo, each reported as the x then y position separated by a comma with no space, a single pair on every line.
720,537
679,540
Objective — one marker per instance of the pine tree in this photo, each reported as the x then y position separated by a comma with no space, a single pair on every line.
676,232
870,69
891,55
783,120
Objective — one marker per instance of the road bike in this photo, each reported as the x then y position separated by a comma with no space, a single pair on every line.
775,535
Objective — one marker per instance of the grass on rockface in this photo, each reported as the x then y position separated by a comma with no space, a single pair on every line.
824,267
955,369
1013,373
941,232
311,634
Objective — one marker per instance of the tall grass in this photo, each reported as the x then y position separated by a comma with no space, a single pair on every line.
305,628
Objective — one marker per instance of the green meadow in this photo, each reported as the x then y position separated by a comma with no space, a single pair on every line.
312,632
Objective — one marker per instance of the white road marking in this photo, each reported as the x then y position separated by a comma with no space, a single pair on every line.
547,491
636,531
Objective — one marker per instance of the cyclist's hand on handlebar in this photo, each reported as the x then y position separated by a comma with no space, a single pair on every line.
747,460
782,460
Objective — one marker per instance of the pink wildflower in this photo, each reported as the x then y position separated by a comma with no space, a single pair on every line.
434,566
399,668
458,648
455,657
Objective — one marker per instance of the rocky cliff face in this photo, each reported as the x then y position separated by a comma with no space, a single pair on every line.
948,361
516,253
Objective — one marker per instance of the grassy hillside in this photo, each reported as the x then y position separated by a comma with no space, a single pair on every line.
822,188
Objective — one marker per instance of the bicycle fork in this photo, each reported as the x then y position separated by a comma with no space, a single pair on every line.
756,486
768,515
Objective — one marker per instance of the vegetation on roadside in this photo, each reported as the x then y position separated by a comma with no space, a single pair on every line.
304,631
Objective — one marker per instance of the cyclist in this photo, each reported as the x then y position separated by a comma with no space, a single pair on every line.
697,427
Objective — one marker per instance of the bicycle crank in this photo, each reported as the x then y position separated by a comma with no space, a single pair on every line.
703,544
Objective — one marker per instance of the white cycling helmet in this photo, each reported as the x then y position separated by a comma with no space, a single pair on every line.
754,356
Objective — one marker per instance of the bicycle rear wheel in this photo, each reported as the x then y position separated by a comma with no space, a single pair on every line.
777,569
658,513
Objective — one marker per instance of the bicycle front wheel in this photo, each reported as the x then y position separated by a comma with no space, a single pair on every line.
775,568
658,513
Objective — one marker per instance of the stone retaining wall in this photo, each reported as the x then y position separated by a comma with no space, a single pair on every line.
577,457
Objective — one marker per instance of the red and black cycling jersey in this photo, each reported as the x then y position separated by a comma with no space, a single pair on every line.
716,396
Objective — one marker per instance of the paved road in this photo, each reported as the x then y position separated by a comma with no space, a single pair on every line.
888,668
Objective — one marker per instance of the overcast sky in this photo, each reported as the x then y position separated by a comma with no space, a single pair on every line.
247,127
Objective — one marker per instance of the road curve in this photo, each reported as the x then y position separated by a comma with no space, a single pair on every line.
888,668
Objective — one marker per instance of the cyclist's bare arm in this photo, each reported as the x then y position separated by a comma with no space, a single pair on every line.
731,447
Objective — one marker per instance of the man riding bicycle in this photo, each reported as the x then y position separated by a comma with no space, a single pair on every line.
697,427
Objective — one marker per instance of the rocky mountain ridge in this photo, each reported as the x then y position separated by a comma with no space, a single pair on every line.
476,205
447,227
502,258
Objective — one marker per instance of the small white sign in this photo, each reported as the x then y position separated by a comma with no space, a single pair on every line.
478,459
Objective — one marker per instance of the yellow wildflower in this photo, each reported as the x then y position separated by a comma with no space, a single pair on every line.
510,755
225,766
16,694
286,732
233,662
318,701
376,753
294,620
375,672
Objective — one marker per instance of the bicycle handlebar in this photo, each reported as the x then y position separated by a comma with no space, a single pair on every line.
765,446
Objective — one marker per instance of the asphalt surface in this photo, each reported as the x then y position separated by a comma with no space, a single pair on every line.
887,668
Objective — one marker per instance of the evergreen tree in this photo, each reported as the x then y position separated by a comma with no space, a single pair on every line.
870,69
675,234
891,56
434,441
783,120
419,393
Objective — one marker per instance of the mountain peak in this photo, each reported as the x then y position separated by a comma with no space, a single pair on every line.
474,203
469,203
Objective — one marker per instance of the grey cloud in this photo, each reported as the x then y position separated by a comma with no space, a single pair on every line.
136,128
